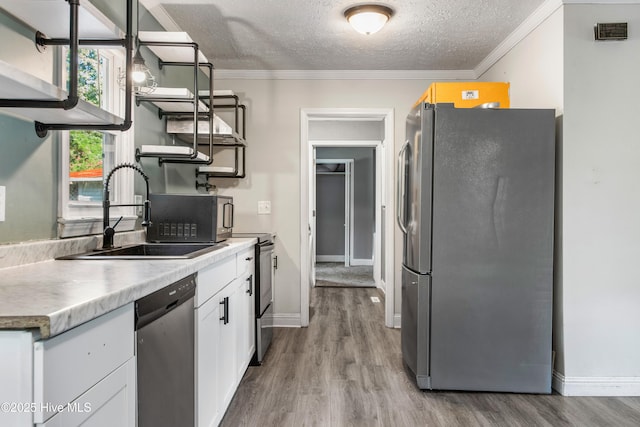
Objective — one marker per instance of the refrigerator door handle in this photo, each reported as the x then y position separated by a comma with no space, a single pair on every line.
400,200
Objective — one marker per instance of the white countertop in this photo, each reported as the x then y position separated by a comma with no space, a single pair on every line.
55,296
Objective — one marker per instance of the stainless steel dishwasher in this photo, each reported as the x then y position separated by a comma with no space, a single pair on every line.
165,340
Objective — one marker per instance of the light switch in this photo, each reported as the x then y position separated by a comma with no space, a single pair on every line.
3,197
264,207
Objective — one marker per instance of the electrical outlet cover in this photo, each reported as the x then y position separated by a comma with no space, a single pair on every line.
264,207
3,197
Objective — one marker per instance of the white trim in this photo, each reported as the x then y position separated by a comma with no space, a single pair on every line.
531,23
287,320
607,2
306,163
345,75
396,321
360,261
596,386
75,227
329,258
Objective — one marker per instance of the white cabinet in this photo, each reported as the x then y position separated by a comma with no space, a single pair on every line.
246,325
224,334
85,376
208,337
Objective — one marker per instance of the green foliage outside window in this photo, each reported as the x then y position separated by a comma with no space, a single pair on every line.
86,148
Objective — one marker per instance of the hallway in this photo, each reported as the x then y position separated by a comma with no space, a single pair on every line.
346,369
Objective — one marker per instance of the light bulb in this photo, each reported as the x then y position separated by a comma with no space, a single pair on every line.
138,76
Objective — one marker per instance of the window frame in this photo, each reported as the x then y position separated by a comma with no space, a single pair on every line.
77,218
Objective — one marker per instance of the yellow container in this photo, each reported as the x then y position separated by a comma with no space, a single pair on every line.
467,94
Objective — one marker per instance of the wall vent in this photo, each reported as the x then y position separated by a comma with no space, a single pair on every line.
611,31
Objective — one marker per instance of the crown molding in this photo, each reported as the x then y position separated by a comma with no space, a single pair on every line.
607,2
344,74
543,12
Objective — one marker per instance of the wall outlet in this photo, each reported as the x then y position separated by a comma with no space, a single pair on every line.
137,199
3,199
264,207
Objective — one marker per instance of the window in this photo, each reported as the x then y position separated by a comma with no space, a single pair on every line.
88,156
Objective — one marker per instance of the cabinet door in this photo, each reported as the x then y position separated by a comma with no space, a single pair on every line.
227,344
208,348
245,324
111,402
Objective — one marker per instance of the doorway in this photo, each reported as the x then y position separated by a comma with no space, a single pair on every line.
334,209
383,251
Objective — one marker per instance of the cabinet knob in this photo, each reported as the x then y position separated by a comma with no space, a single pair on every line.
249,258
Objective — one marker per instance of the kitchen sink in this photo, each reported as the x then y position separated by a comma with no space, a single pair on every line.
151,251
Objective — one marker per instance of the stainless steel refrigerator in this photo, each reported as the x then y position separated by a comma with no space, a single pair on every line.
476,206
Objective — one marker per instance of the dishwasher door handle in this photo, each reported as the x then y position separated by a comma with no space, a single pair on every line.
225,310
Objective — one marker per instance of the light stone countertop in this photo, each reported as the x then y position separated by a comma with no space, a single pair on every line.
57,295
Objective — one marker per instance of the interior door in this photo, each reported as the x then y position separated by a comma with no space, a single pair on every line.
312,219
348,245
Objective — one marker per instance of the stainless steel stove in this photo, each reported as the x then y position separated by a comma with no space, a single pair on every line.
266,262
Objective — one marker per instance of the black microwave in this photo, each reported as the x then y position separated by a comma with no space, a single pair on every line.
190,218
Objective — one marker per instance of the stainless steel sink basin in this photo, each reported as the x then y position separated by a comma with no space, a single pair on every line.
151,251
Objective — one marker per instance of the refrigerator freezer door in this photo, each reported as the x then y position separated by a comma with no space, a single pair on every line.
492,278
418,179
415,324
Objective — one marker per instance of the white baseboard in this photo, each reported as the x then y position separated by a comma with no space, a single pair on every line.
329,258
595,386
396,321
287,320
361,261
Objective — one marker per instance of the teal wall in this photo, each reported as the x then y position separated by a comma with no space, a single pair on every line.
29,165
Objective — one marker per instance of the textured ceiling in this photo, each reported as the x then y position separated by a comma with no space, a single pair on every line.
314,35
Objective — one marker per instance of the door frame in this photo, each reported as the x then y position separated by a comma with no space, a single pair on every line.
348,205
384,179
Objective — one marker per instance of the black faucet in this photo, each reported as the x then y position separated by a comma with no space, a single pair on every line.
108,231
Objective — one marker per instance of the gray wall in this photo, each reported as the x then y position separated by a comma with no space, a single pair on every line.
363,196
330,208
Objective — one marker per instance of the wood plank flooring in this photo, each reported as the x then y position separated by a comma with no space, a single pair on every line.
346,369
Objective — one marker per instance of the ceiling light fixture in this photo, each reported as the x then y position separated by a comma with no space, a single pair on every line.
368,18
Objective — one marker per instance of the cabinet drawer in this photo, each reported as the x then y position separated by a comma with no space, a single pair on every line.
213,278
68,365
245,261
110,402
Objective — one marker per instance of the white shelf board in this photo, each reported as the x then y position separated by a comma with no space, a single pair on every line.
183,100
52,18
222,132
170,151
171,53
16,84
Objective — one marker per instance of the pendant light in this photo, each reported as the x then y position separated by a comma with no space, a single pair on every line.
368,18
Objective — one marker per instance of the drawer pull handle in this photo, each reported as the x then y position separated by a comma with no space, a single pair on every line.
249,258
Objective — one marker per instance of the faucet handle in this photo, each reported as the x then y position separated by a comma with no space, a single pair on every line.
117,222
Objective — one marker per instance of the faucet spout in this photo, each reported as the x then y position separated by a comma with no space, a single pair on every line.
109,231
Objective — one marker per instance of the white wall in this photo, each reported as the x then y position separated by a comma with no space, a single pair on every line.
601,196
273,133
594,89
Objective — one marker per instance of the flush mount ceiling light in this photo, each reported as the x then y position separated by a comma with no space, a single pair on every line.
368,18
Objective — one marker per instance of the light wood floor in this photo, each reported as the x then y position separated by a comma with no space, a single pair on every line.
346,369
